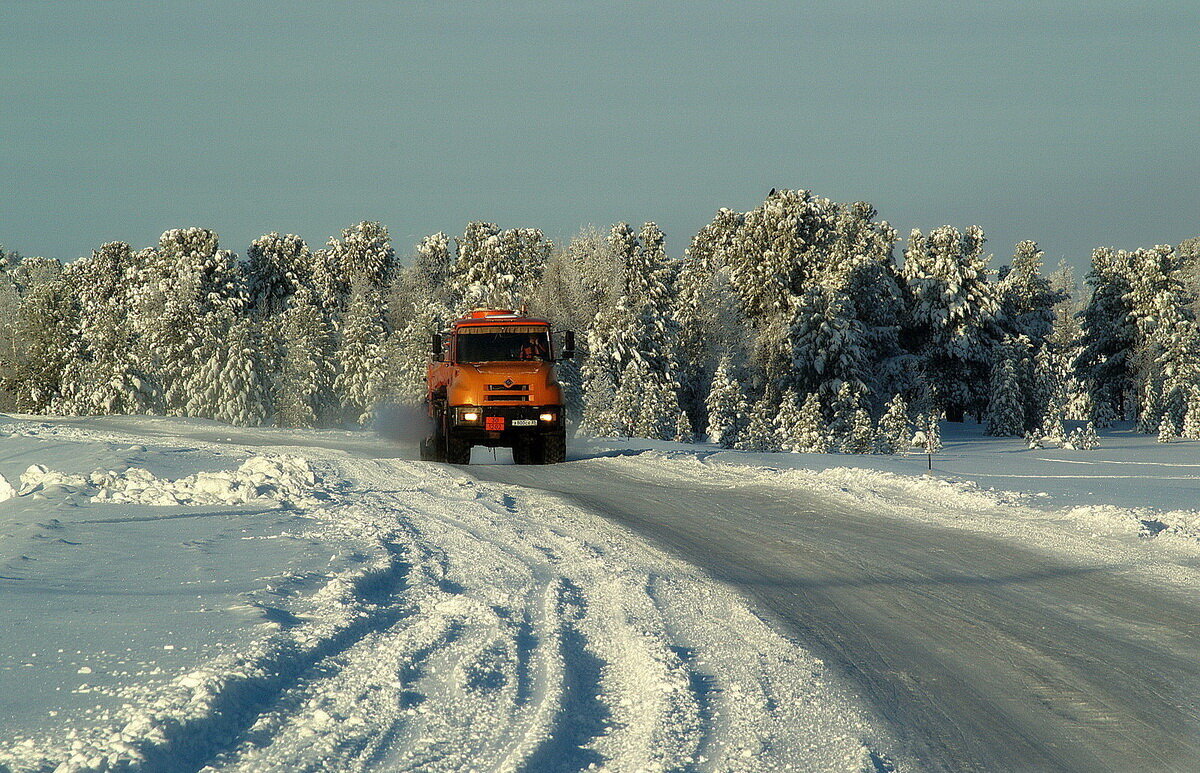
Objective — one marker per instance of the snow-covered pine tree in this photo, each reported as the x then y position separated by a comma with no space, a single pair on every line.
683,429
362,256
223,381
828,342
933,433
787,422
497,269
895,429
1006,409
358,383
106,376
598,419
191,289
1191,420
431,269
811,434
1053,426
627,403
759,434
1088,440
844,412
658,410
47,315
1027,299
704,315
1166,429
305,380
1108,335
276,266
861,437
1167,354
725,405
242,400
408,352
954,311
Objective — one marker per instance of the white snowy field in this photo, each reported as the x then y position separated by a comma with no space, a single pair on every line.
179,595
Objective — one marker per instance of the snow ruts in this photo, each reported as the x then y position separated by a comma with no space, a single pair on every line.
490,629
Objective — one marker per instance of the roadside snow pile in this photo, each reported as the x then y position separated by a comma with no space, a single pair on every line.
6,489
287,479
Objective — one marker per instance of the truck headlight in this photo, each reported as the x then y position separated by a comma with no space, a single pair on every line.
469,415
547,417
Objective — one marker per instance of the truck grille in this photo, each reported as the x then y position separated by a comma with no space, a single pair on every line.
509,397
507,387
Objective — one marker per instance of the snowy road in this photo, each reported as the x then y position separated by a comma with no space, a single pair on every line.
983,655
288,600
183,597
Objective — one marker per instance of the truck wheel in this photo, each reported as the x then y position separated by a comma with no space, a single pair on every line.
523,451
433,448
554,448
458,451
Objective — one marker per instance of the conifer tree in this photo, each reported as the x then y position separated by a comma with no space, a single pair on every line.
954,311
599,399
844,413
860,439
895,429
304,395
1006,412
358,380
362,256
276,267
1166,429
933,433
683,429
811,434
759,434
1105,360
627,404
1088,440
787,422
725,405
1191,421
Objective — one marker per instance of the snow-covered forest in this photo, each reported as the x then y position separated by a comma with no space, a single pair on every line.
803,324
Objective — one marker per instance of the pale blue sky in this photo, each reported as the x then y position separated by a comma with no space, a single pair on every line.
1075,124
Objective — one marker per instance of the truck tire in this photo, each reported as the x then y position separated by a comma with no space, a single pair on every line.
554,448
458,451
433,446
524,451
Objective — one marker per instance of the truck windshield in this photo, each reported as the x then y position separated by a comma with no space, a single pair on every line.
491,345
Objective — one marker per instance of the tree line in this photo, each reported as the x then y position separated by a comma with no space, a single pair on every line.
803,324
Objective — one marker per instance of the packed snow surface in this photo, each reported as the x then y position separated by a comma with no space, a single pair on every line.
185,603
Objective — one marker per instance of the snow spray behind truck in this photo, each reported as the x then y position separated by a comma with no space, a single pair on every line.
491,383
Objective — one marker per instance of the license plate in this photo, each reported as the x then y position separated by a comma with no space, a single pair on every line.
524,422
493,422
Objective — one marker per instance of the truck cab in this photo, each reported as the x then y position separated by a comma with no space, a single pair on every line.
491,382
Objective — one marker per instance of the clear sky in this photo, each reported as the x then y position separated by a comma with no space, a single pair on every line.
1074,124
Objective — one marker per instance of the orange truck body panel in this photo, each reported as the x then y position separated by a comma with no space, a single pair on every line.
466,383
482,393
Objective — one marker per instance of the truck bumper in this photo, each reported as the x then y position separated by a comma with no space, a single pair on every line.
481,434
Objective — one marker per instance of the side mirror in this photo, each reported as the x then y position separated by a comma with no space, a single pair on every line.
435,346
568,349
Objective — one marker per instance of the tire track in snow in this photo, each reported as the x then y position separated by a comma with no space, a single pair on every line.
522,633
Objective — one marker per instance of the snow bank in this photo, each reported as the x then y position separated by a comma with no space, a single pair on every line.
287,479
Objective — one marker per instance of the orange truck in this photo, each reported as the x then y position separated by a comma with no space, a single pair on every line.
491,382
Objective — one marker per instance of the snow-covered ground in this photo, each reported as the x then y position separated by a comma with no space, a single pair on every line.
1131,485
177,594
